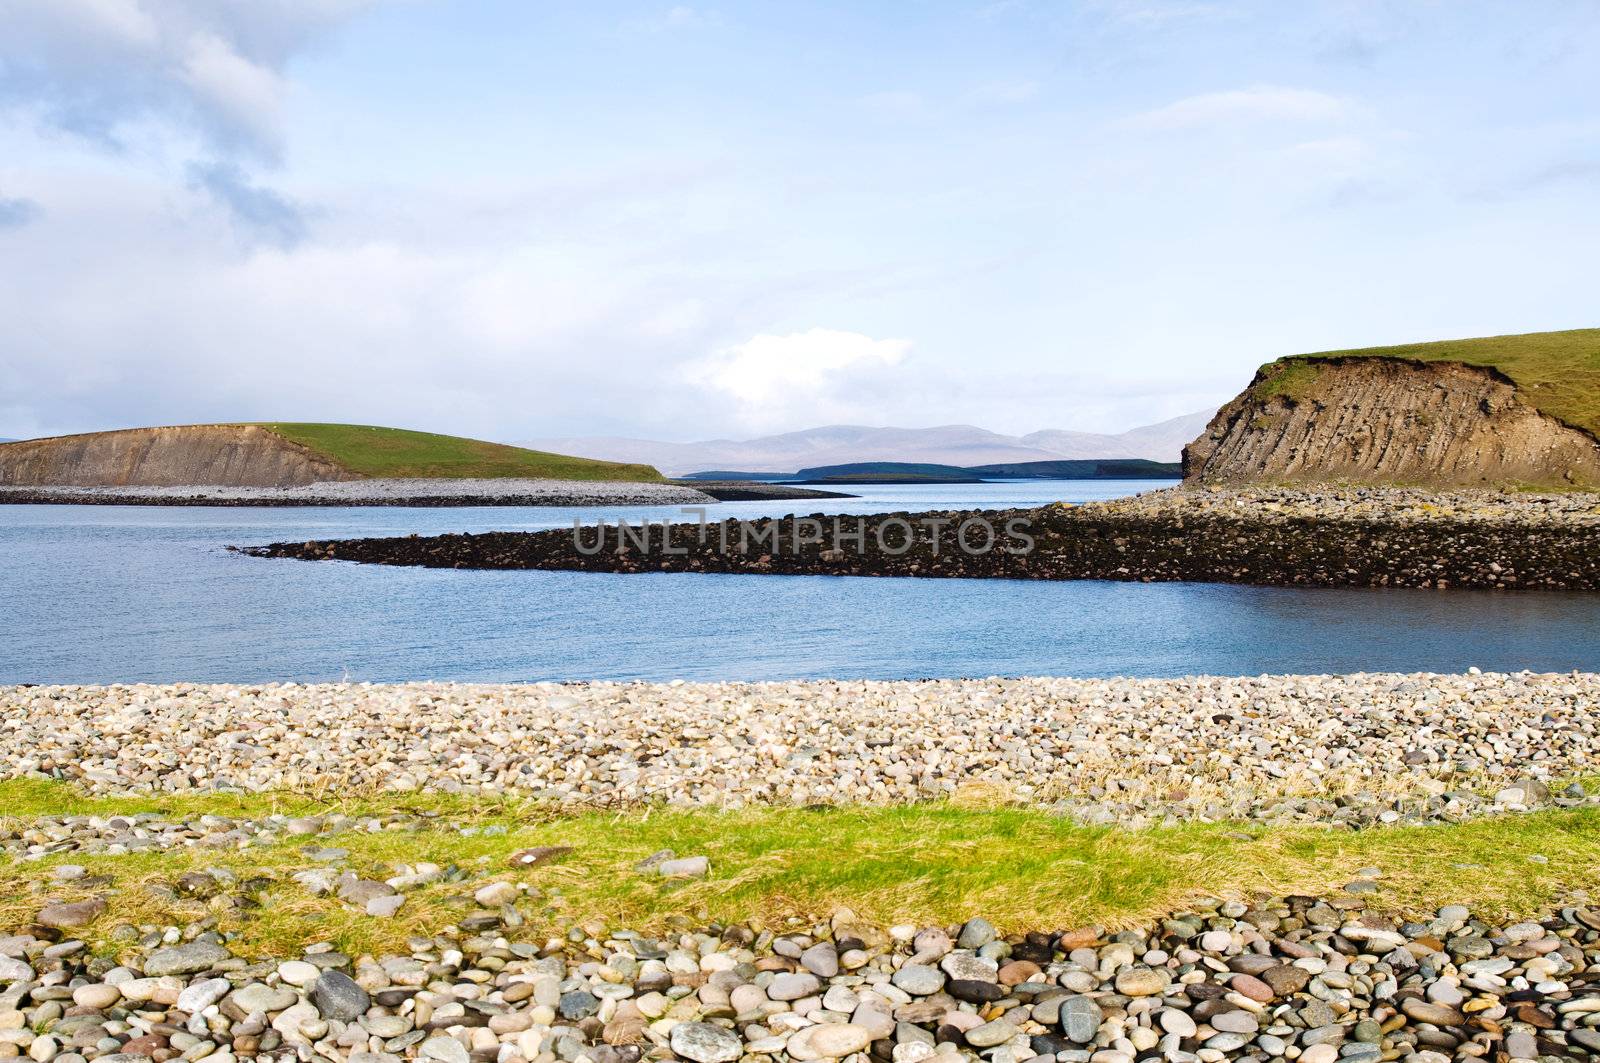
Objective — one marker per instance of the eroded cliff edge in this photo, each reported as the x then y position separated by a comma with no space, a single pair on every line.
231,455
1379,420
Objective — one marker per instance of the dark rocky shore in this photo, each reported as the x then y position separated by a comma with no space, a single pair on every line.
1333,539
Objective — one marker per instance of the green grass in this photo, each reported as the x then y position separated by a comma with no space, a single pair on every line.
404,454
1556,372
937,863
1288,378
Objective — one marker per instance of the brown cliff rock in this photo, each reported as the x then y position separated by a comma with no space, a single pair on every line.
227,455
1374,420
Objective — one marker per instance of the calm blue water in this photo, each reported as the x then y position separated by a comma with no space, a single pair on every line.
109,594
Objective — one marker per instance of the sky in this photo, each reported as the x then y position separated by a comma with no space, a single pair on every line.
523,218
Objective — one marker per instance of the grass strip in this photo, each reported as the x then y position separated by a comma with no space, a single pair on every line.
927,864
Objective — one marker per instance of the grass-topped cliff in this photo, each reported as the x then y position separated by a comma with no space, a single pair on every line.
1557,373
1500,411
283,454
399,453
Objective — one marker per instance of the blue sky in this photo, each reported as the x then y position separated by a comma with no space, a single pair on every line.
522,219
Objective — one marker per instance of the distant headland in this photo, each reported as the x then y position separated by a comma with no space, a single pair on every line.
264,464
1502,411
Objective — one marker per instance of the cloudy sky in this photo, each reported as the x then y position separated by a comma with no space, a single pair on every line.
511,218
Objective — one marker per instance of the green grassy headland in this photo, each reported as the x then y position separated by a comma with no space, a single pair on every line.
404,454
1557,373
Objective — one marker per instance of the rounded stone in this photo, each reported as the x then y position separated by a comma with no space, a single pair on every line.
705,1042
1240,1021
828,1040
821,959
975,934
98,996
966,967
496,894
1253,988
794,986
1142,981
298,972
918,980
1437,1014
199,996
338,996
991,1034
1080,1019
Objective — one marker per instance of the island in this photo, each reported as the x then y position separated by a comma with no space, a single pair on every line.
307,464
1354,468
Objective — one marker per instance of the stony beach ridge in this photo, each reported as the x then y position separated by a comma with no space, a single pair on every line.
417,493
152,966
1341,537
1296,978
1350,750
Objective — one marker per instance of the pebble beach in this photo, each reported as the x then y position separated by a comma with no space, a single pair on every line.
1337,749
1313,979
1318,981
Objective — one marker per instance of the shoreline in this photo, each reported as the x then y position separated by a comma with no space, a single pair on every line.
417,494
431,872
1349,751
1318,978
1330,538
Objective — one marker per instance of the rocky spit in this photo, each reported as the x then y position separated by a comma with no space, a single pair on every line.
1298,978
1332,537
419,493
1352,750
1401,505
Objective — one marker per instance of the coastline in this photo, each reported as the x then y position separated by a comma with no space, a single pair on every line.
416,493
815,872
1297,538
1343,750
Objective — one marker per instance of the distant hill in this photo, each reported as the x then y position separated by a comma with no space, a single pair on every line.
1501,411
727,474
1089,469
1163,441
962,446
915,472
888,472
283,455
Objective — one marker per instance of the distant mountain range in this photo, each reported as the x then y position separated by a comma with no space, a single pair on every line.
962,445
907,472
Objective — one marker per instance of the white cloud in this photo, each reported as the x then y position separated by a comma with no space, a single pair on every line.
212,69
245,95
768,374
1259,103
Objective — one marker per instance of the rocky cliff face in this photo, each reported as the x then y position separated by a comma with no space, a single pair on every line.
1388,421
228,455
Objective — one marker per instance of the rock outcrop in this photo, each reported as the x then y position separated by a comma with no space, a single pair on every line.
1374,420
223,455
